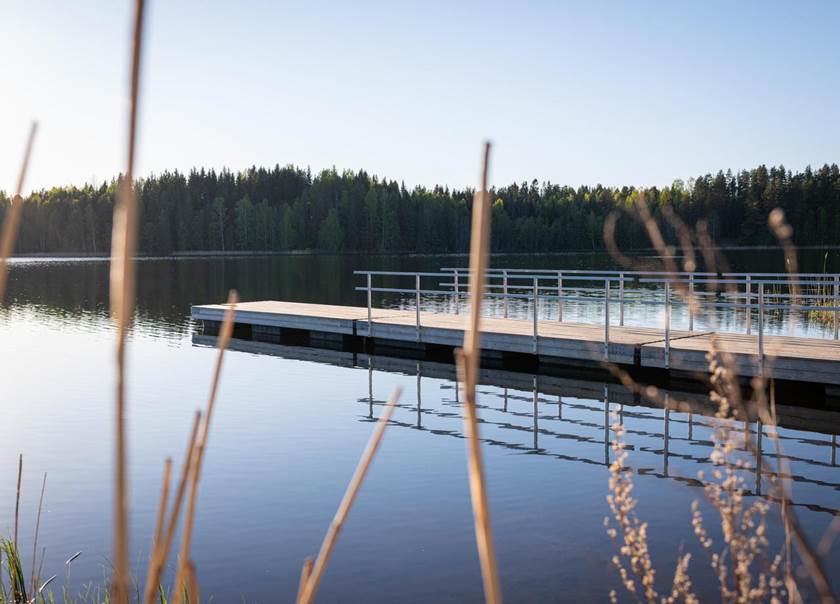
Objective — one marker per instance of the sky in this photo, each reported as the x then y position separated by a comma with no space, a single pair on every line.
617,93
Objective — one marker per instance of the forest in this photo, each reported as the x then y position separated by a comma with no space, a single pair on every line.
287,209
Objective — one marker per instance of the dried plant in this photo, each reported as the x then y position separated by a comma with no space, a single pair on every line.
162,546
185,579
633,561
312,573
467,360
12,221
123,251
746,572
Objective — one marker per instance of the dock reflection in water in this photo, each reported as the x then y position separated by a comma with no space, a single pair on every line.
569,420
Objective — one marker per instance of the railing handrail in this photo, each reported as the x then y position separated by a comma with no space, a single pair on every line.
530,285
398,273
785,275
742,281
565,271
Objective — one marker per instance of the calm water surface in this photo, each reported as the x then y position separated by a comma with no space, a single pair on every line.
291,423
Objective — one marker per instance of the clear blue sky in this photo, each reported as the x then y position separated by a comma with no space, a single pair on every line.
573,92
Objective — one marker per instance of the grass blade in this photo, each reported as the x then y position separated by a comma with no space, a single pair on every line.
17,497
37,529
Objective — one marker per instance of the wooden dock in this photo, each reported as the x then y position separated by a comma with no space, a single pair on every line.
792,359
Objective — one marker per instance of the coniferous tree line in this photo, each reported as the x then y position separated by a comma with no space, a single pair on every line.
288,208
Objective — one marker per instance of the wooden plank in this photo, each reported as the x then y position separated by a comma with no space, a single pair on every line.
292,315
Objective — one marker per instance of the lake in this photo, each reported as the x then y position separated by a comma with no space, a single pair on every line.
291,423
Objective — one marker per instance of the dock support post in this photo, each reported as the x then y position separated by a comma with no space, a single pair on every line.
761,328
667,325
606,319
370,305
536,312
417,303
457,296
835,303
749,305
691,302
621,299
505,292
559,296
419,398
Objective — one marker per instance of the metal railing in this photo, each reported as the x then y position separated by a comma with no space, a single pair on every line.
697,291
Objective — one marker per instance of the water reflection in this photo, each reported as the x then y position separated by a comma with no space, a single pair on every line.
288,430
565,419
167,287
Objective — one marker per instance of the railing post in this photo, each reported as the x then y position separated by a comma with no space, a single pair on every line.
621,299
667,434
457,297
417,303
667,325
370,386
505,292
761,328
835,303
536,310
759,433
606,319
691,302
749,306
606,425
536,414
560,296
370,305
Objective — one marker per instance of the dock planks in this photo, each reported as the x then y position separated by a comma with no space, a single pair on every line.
789,358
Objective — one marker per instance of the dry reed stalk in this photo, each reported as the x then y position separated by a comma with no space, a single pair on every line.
35,541
161,552
12,221
316,573
123,250
164,499
305,573
467,360
192,584
225,334
17,497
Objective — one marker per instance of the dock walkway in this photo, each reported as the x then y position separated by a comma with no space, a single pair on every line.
786,358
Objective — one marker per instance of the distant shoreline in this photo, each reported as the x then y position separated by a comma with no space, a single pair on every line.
245,254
